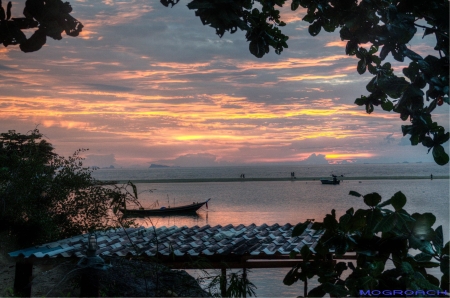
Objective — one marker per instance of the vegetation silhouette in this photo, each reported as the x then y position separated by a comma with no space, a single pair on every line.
378,235
51,17
46,197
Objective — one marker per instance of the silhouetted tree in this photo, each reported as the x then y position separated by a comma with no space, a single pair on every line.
44,196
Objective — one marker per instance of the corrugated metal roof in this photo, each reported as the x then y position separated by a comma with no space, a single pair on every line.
182,241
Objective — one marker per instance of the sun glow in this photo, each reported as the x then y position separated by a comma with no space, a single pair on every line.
349,155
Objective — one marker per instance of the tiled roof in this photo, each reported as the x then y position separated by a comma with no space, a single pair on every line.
194,241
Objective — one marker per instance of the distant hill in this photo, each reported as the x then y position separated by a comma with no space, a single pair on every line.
153,165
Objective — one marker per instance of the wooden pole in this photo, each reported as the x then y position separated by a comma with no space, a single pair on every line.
223,282
22,278
89,283
305,288
244,277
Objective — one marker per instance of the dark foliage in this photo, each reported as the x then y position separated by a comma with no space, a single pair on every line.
378,235
44,196
51,17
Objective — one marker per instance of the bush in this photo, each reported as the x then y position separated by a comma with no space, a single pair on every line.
45,197
377,235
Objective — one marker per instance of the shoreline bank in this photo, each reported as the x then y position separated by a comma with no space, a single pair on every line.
312,179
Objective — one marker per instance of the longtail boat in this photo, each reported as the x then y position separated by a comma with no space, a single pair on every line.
335,181
165,210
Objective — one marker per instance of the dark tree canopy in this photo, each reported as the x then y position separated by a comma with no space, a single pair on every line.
51,17
44,196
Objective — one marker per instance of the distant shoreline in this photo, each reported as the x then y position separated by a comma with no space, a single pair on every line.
277,179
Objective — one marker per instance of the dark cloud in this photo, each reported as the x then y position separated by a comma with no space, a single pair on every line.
193,160
3,67
314,159
105,87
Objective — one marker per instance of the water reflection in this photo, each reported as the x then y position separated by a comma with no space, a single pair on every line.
182,219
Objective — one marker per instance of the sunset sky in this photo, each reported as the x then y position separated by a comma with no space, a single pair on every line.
148,84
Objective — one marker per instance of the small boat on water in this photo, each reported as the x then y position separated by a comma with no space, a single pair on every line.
335,181
192,208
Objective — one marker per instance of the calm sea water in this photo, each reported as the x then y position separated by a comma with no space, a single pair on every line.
281,202
348,170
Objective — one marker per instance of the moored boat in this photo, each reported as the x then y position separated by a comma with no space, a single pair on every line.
335,181
192,208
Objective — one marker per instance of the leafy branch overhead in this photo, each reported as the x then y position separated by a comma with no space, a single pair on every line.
373,29
50,17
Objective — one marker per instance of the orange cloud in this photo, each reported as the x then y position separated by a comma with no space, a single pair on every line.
291,63
337,43
311,77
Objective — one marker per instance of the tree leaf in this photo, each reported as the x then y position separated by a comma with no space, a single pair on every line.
369,108
35,42
292,254
330,222
422,257
372,199
385,51
445,282
446,250
354,193
406,268
440,156
387,224
317,292
423,223
2,13
299,229
393,86
423,283
428,31
385,203
432,279
305,252
314,28
291,277
369,253
424,66
398,200
361,66
444,266
344,222
8,10
387,105
309,18
422,245
438,240
334,290
412,55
